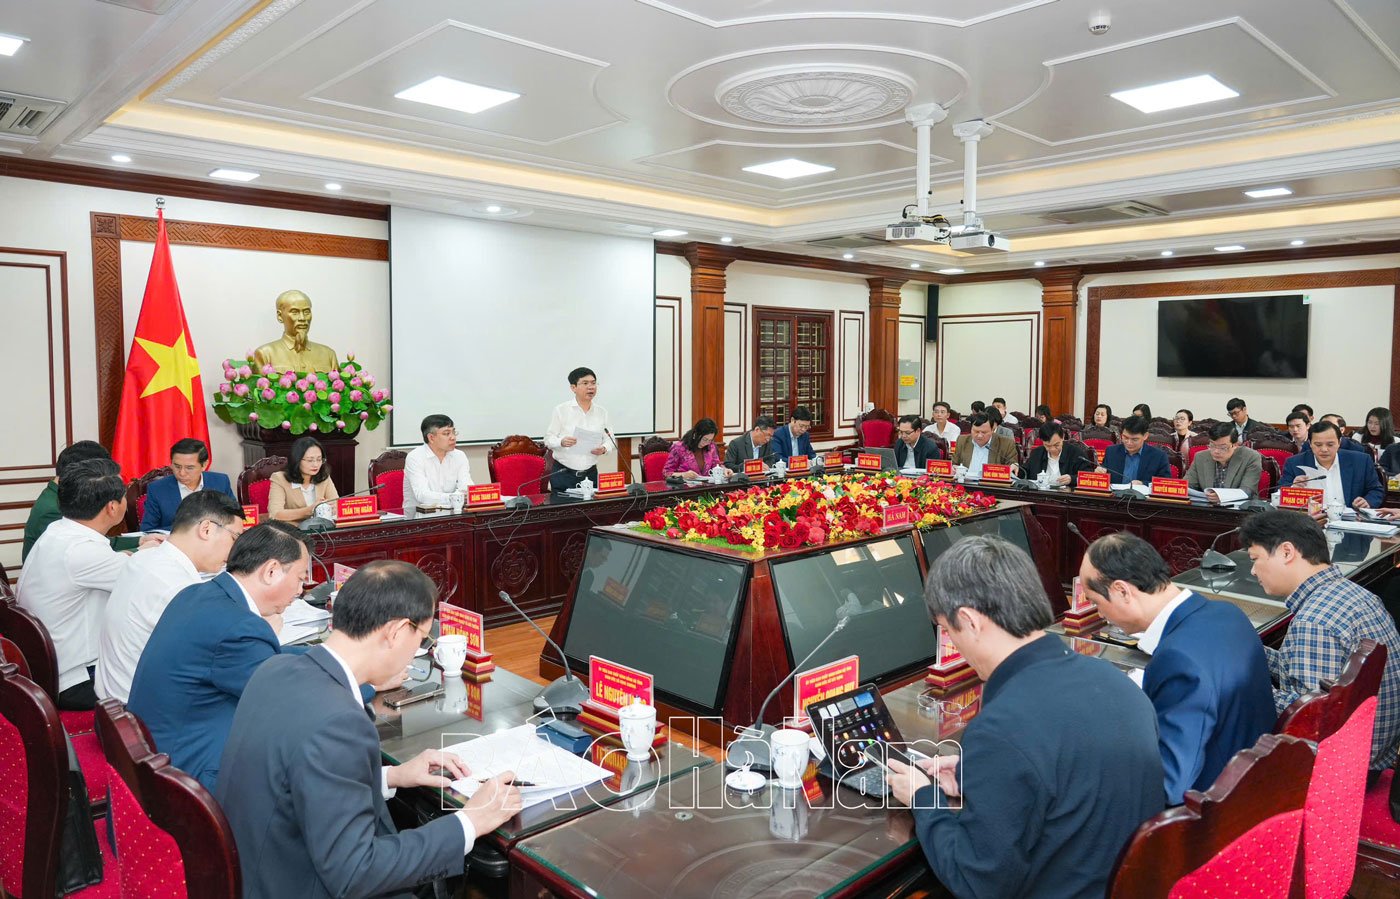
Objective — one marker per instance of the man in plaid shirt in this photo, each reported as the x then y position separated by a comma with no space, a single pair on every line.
1331,616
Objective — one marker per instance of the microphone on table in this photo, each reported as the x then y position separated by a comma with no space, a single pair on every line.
316,523
567,693
751,749
633,488
520,500
1074,529
1217,561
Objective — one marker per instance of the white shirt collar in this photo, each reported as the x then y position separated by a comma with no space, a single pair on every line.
349,676
1153,635
248,598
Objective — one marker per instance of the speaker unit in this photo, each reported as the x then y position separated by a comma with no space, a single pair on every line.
931,319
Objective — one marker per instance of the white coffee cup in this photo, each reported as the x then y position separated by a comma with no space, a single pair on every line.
1334,511
789,750
457,500
637,724
451,653
1042,480
960,473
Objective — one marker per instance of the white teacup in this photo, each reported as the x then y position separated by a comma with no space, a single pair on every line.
1042,480
457,501
451,653
960,473
789,751
637,724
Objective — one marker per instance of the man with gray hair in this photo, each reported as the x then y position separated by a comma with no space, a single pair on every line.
1051,801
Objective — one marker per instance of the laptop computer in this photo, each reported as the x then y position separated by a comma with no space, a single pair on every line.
847,726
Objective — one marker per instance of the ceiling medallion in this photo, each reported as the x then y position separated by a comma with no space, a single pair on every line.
823,97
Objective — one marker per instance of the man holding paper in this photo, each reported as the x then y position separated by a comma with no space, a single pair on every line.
1227,469
577,434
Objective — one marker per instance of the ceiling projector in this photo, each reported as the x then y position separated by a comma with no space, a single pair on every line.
979,243
933,229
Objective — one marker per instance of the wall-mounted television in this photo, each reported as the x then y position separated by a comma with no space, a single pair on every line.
1233,337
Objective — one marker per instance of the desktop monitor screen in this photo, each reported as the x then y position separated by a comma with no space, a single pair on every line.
937,541
669,613
878,585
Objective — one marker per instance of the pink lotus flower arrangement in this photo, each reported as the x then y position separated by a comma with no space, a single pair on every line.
300,401
811,511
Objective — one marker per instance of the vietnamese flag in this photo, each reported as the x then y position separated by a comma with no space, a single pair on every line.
162,396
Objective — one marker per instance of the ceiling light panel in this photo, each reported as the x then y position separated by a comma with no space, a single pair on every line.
232,175
1175,94
9,44
462,96
787,169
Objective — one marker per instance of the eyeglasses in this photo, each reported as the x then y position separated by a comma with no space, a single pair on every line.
312,460
223,527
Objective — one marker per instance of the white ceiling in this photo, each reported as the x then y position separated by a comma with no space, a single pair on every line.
643,114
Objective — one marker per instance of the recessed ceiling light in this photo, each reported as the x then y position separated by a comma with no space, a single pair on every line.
232,175
848,255
120,157
449,93
331,185
1040,263
9,44
669,232
1175,94
1264,193
1229,248
788,168
915,265
1296,243
1166,252
951,271
726,239
493,209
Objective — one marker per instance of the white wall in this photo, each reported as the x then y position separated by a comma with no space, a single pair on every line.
1348,350
989,344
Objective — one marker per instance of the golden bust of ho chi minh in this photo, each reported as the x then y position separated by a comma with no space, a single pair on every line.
294,352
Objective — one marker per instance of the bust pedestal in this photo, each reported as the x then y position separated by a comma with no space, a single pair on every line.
259,443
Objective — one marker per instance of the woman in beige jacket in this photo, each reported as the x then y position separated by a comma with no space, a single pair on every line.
306,483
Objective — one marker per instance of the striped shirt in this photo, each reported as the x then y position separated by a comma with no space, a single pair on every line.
1331,616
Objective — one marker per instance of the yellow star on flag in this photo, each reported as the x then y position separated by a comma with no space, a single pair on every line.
178,368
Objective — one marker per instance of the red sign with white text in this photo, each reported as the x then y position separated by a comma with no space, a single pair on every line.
1093,482
250,516
357,508
1171,489
754,467
613,686
897,516
484,495
340,574
997,474
799,465
611,482
868,461
948,655
452,619
1299,498
940,468
831,679
833,460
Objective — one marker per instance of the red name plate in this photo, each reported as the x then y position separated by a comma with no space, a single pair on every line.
898,515
1094,482
754,467
940,468
1080,602
799,465
250,516
474,706
998,473
1098,455
611,482
356,508
1174,489
484,495
831,679
833,460
451,619
1298,497
948,655
613,686
868,461
340,574
474,628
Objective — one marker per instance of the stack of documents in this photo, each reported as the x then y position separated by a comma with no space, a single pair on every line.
553,771
1374,529
302,620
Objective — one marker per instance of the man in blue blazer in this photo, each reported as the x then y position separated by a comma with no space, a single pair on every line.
793,438
1208,678
210,640
1351,473
302,781
187,459
1134,460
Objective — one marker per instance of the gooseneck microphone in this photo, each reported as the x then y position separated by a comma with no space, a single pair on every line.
566,694
1217,561
751,749
1074,529
315,523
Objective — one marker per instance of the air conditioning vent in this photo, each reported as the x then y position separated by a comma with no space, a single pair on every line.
1115,212
26,115
849,242
154,7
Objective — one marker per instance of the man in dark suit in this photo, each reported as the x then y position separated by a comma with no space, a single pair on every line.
1038,820
980,446
210,640
794,438
1226,464
187,460
302,780
756,444
1057,455
913,449
1208,678
1351,476
1133,460
1239,414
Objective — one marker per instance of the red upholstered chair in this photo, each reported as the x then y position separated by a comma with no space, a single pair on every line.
34,794
387,469
1239,838
875,428
136,496
253,482
32,639
11,655
1336,795
1318,715
1098,438
6,588
653,452
1269,476
519,465
171,835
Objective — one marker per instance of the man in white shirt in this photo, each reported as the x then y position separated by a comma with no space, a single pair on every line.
575,462
433,472
941,426
1000,404
206,524
71,571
